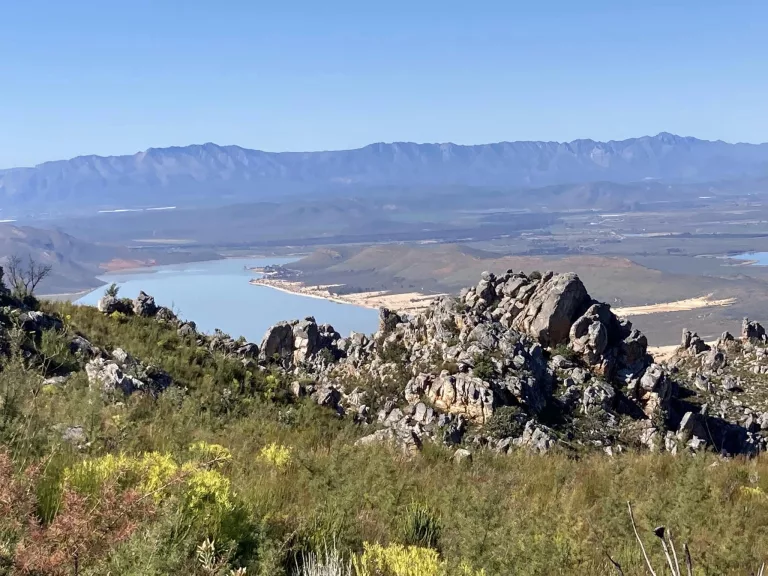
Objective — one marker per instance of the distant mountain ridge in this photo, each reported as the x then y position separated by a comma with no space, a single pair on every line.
221,173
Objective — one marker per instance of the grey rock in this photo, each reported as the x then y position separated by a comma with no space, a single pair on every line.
55,381
110,378
692,424
187,330
598,396
388,320
298,389
123,358
74,435
306,340
714,360
692,343
552,309
277,343
144,305
462,456
34,321
164,314
536,437
327,396
752,330
80,346
109,305
248,350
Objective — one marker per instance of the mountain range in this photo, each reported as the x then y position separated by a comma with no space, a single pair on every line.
209,173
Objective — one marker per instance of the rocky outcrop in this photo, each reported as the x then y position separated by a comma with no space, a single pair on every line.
144,305
515,361
111,304
122,373
34,321
752,330
493,347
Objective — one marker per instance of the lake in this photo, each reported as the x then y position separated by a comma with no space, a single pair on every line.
217,294
760,258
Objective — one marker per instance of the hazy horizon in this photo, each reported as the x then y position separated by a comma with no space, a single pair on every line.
86,78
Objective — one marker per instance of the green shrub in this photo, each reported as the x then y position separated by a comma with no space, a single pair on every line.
566,352
506,422
421,527
483,366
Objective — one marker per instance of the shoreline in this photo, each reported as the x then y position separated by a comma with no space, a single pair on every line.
411,302
67,296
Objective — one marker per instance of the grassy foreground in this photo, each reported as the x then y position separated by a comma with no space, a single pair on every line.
225,471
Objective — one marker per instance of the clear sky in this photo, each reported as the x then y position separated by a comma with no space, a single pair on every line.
114,77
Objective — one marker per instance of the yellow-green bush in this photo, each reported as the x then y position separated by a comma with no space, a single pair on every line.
157,474
277,455
399,560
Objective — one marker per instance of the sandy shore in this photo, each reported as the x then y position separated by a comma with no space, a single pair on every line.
71,297
409,302
677,306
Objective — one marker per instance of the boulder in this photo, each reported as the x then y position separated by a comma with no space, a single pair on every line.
34,321
405,439
714,360
552,309
187,330
277,343
751,330
81,347
110,304
388,320
123,358
248,350
634,348
306,340
528,391
144,305
164,314
692,344
462,394
589,336
692,424
462,456
327,396
74,435
598,396
536,437
110,378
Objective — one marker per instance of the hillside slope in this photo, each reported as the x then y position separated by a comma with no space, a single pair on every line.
467,441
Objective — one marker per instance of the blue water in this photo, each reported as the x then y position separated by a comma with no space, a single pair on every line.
217,294
760,258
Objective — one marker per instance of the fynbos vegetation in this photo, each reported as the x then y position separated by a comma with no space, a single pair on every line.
133,444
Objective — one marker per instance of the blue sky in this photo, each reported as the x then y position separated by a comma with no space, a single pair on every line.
82,77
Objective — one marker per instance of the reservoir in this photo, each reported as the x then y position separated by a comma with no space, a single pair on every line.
216,294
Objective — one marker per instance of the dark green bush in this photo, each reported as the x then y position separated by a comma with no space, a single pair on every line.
483,367
506,422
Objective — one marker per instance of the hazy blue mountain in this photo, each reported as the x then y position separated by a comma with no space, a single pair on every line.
220,174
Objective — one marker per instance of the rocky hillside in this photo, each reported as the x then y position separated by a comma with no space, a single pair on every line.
131,443
530,361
